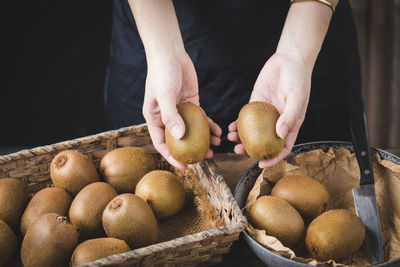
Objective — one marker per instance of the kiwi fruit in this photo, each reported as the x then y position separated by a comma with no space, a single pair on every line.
98,248
193,146
278,218
256,127
128,217
13,199
124,167
72,171
163,191
49,241
88,206
335,234
8,243
47,200
304,193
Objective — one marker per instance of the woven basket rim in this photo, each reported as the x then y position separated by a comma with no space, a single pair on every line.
56,147
174,243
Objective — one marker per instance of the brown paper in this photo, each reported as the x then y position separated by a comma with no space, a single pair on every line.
338,171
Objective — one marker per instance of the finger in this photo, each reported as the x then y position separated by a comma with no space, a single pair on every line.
214,128
233,126
290,140
233,137
271,162
239,149
215,141
292,114
170,117
165,153
209,154
157,135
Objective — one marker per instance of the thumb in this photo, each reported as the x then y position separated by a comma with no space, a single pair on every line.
293,112
170,117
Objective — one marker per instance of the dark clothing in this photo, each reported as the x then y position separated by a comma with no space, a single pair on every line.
229,43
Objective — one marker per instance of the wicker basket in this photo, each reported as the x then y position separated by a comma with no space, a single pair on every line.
32,168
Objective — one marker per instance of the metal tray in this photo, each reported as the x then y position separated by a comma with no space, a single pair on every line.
248,179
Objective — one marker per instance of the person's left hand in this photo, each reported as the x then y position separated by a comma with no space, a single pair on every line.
284,82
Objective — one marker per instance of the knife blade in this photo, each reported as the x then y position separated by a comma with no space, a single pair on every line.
365,196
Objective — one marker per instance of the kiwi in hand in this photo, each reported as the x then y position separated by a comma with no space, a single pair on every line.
72,171
13,199
163,191
47,200
278,218
94,249
49,241
88,206
256,127
304,193
335,234
124,167
8,243
193,146
128,217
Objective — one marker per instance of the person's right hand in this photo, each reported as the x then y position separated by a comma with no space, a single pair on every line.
171,79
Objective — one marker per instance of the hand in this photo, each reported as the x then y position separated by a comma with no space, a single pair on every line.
171,79
285,82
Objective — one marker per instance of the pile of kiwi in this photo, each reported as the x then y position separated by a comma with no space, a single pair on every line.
88,215
297,200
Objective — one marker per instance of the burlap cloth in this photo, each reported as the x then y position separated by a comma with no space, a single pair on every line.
338,171
198,213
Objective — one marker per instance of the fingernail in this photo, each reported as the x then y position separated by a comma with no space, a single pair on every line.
284,131
176,132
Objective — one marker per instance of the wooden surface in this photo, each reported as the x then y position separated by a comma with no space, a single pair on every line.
232,166
378,31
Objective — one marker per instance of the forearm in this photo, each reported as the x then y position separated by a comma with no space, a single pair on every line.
158,27
304,31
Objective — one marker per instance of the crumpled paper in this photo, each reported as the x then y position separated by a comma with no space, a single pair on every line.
338,171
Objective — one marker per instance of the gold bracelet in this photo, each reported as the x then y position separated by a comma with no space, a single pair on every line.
325,2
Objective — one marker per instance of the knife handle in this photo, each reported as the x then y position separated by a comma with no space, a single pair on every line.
362,148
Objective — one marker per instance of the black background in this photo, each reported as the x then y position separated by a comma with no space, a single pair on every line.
53,64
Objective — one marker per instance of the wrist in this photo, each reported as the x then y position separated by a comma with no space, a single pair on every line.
304,31
173,50
165,57
294,52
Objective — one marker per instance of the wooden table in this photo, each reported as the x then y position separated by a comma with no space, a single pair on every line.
232,166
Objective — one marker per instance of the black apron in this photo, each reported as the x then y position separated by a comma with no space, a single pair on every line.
229,43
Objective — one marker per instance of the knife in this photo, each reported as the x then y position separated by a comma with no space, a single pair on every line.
364,196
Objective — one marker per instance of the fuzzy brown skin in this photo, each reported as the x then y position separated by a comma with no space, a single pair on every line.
304,193
163,191
278,218
72,171
98,248
47,200
49,242
124,167
128,217
193,146
13,199
88,206
8,243
256,128
335,234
